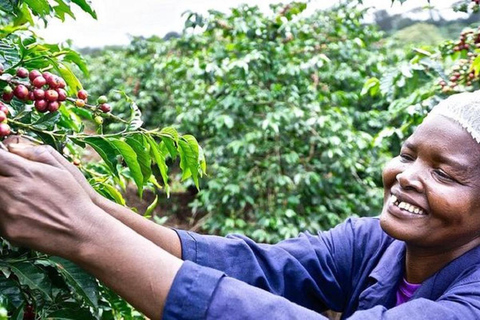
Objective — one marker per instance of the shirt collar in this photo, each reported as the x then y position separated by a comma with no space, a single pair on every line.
384,278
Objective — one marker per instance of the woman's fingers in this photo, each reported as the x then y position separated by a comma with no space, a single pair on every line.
47,155
18,139
43,154
10,163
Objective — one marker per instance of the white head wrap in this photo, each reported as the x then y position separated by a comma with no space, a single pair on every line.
463,108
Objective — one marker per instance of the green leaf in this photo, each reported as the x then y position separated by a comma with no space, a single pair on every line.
10,289
24,16
82,283
160,161
131,160
113,193
39,7
8,5
70,120
371,86
170,133
105,150
18,313
61,9
476,66
47,121
189,163
33,277
169,144
143,157
9,54
151,207
69,77
76,58
85,7
71,314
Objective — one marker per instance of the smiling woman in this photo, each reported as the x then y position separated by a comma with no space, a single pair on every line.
420,259
432,191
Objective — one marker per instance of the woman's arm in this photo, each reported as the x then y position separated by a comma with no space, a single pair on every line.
45,208
284,269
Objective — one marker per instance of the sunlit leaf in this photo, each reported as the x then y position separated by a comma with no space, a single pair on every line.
130,157
86,7
39,7
143,157
160,161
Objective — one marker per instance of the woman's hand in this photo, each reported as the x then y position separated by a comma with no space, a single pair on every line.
43,206
46,154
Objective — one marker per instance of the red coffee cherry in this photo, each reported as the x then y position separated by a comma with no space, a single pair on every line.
2,69
51,95
105,107
29,313
53,106
7,96
31,96
4,130
41,105
62,94
39,82
53,82
39,94
33,74
22,72
3,116
82,94
61,83
47,75
4,108
21,92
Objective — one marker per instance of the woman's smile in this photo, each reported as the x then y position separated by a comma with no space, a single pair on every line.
404,209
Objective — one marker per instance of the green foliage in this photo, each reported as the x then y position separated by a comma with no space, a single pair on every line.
275,101
297,113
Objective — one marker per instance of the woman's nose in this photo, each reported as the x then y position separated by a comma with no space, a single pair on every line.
411,178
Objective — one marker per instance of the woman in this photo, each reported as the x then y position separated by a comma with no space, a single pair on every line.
420,260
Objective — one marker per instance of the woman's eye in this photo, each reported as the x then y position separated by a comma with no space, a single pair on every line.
443,175
405,157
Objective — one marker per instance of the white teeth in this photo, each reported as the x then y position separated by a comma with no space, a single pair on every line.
407,206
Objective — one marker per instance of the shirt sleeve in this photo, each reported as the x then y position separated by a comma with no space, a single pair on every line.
314,271
205,293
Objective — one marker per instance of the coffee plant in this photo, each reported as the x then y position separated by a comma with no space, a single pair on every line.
275,99
43,101
297,112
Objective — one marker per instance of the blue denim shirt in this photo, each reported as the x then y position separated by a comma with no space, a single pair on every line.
354,268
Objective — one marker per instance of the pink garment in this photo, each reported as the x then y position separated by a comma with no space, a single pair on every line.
405,291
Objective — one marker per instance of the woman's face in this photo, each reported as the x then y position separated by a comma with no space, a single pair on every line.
432,189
